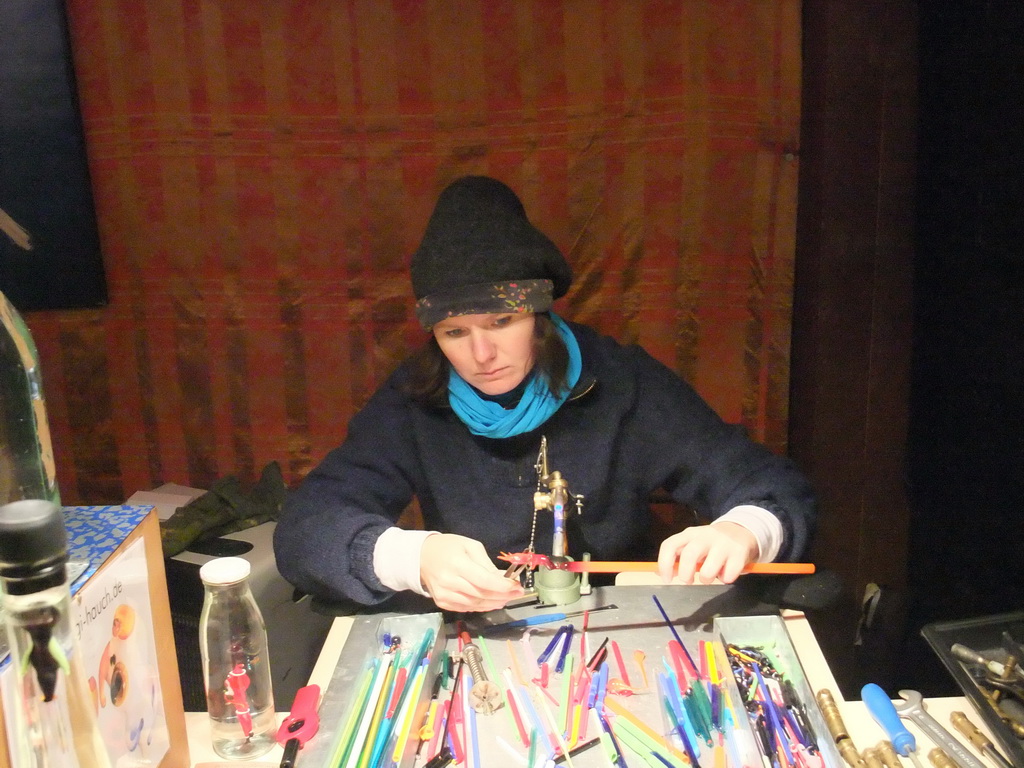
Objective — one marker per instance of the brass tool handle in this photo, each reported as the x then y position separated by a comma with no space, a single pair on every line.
872,758
888,754
940,759
981,742
837,729
833,719
970,731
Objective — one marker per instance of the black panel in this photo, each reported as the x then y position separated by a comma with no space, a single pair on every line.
965,443
44,178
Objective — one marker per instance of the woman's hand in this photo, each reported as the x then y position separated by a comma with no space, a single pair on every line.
459,576
707,552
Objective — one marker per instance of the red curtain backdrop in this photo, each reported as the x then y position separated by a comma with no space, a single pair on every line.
263,170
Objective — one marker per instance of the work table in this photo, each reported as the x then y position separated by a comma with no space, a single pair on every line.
861,726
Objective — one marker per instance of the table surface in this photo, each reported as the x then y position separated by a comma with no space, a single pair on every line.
862,728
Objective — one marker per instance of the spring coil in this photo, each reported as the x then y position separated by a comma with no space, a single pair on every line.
475,662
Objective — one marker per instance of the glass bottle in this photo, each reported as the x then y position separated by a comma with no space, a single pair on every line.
27,468
53,722
236,667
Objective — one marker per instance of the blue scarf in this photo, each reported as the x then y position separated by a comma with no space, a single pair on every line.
488,419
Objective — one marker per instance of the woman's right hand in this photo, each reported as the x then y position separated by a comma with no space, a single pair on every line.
459,576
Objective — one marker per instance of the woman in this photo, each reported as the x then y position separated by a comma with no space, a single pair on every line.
459,426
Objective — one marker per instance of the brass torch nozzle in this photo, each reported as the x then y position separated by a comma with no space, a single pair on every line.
940,759
836,727
872,758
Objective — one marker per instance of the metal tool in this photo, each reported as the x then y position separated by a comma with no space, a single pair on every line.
884,712
546,618
555,499
940,759
837,729
912,708
872,759
971,656
981,742
485,695
1000,682
556,587
888,754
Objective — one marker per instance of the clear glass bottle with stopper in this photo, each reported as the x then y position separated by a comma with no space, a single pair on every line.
236,667
54,723
27,468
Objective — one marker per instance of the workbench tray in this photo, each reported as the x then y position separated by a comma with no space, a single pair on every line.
984,635
768,635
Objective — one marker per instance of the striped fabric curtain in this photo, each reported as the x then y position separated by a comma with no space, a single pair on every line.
263,170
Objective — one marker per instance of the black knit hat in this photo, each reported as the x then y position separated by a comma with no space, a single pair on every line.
480,254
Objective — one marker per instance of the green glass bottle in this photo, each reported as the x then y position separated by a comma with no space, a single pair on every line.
27,469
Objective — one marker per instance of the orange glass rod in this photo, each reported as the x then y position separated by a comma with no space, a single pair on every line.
623,566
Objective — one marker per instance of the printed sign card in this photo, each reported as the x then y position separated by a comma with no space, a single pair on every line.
113,621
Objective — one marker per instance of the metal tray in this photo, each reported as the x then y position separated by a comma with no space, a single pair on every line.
625,614
769,634
982,634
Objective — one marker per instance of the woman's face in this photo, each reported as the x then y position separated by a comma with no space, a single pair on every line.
493,353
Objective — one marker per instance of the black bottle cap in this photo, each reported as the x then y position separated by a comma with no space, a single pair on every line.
33,546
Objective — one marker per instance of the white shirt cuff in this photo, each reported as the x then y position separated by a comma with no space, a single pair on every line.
763,524
396,559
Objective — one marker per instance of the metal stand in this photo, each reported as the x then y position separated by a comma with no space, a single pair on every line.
556,587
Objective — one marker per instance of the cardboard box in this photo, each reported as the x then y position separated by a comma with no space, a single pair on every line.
124,578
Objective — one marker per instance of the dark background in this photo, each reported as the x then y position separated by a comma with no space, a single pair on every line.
44,179
966,437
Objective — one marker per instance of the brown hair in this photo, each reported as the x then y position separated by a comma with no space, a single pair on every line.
428,367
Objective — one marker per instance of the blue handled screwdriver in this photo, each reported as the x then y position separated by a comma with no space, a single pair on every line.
543,618
882,709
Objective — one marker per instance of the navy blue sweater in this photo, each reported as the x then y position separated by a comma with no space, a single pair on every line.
632,426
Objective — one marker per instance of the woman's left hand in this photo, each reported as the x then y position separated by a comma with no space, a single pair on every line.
707,552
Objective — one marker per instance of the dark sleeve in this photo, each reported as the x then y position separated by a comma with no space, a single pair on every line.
325,537
713,466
